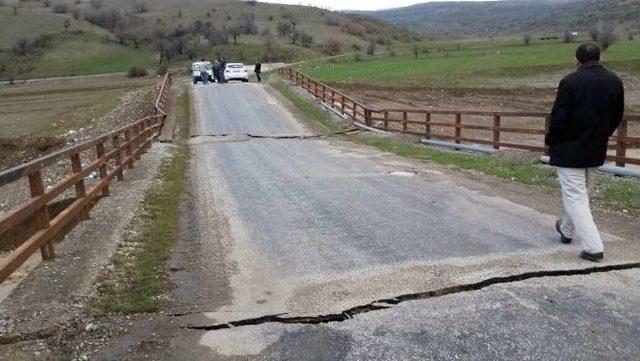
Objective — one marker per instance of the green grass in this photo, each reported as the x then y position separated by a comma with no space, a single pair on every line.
620,193
480,63
89,54
28,24
308,109
610,191
138,279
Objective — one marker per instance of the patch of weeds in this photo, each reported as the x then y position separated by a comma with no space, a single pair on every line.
620,193
135,277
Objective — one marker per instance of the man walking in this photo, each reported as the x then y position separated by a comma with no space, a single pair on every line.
258,70
588,109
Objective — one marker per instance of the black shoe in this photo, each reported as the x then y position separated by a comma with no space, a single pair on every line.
593,257
563,239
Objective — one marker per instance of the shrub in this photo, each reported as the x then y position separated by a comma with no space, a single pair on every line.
136,72
60,8
371,49
332,47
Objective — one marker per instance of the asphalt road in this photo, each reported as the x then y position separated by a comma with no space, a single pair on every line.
309,227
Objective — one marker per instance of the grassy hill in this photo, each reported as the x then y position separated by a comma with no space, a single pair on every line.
472,63
113,35
545,17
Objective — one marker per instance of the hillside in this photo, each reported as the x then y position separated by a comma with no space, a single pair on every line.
112,35
500,18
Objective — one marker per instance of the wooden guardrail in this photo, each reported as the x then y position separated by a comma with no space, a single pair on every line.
480,127
107,155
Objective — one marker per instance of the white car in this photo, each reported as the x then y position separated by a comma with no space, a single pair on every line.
201,71
236,71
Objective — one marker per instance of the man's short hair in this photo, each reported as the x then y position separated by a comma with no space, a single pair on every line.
588,52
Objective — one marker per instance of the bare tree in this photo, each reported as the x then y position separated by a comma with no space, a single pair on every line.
306,39
66,24
527,39
284,29
235,31
332,47
371,48
603,34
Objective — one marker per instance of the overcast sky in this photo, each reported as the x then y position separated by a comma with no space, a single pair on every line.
355,4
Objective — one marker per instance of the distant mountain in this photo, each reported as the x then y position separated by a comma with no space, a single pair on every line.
495,18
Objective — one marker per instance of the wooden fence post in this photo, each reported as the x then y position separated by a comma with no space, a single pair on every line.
386,119
367,116
427,119
621,144
103,168
76,167
405,116
128,139
547,124
496,132
118,156
458,129
42,215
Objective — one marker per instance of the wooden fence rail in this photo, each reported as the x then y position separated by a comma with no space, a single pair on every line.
479,127
105,156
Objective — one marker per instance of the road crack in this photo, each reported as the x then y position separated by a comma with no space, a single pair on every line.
387,303
276,136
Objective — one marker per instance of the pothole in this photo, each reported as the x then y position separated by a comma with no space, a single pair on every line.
403,173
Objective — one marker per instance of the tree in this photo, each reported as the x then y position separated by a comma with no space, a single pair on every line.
332,47
527,39
603,34
66,24
371,48
294,37
197,29
307,40
416,51
235,31
284,29
249,25
22,47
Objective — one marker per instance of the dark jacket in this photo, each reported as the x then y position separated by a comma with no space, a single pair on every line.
588,109
258,68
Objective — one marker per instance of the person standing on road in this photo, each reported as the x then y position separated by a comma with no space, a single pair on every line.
588,109
258,70
216,71
223,67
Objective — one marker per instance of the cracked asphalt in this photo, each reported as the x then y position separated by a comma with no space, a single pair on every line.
309,227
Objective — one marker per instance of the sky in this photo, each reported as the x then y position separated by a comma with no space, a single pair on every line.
355,4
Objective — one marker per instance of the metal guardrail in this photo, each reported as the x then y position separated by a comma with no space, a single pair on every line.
425,122
108,155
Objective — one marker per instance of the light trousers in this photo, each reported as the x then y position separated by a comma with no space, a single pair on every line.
577,221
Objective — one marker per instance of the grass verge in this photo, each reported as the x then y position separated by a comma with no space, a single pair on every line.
307,108
136,278
609,191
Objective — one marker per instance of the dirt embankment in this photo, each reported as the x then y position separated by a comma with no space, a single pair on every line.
134,105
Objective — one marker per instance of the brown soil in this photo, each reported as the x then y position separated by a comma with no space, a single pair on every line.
14,151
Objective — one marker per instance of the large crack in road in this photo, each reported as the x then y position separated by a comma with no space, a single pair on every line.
383,304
